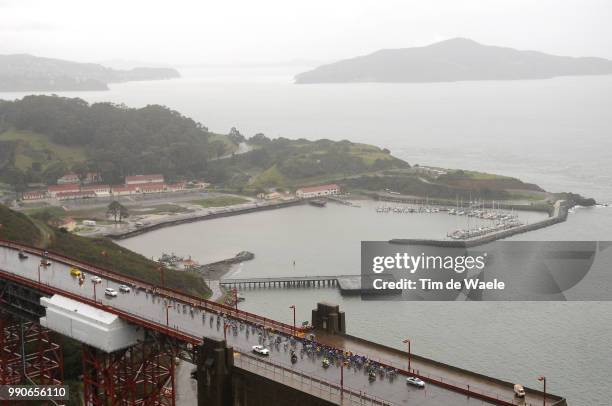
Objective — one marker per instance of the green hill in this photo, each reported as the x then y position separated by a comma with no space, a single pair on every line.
288,163
100,251
43,137
30,147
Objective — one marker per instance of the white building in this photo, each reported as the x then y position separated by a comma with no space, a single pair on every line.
316,191
99,190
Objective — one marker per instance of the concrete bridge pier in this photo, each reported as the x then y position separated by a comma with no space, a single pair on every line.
329,318
214,363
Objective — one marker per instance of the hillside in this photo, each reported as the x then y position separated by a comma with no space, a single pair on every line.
24,72
101,251
285,163
453,60
28,147
454,184
42,137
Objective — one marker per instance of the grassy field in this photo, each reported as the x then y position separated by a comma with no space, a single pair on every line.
369,153
18,227
271,177
159,209
229,145
38,148
219,201
50,212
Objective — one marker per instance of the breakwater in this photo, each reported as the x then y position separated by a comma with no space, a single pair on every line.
385,197
558,215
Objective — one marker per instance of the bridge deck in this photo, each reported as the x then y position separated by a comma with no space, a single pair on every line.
191,318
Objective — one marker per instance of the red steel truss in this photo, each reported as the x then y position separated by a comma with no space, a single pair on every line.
11,366
28,355
44,358
139,375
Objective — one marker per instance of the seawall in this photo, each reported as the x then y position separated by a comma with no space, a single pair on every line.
202,217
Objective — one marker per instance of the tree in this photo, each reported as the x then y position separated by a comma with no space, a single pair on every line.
117,211
235,136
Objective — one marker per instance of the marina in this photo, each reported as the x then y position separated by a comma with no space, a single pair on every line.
495,219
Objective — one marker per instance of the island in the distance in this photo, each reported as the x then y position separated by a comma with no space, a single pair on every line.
22,72
453,60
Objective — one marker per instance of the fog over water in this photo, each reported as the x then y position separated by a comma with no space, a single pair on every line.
555,133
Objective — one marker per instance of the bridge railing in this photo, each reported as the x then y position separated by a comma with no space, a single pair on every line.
447,383
313,384
164,291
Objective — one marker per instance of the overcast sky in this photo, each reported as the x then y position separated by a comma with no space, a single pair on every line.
227,31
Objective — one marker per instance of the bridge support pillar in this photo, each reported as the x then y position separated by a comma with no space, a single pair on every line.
329,318
214,363
140,375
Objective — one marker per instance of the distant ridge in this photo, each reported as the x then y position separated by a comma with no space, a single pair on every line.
453,60
23,72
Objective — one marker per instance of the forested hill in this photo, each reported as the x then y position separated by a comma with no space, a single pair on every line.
24,72
43,137
111,139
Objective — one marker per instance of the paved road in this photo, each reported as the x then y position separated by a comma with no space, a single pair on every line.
198,323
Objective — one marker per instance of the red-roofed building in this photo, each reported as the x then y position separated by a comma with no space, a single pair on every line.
316,191
174,187
152,188
68,179
75,195
143,179
123,190
53,190
34,195
99,190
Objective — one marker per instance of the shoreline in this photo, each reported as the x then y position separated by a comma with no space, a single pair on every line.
226,212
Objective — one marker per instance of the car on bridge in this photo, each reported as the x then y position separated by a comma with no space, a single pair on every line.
125,289
75,272
22,254
414,381
261,350
96,279
110,292
519,391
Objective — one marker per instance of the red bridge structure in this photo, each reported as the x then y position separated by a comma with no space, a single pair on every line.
133,339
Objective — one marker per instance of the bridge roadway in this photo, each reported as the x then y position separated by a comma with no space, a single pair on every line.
192,320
